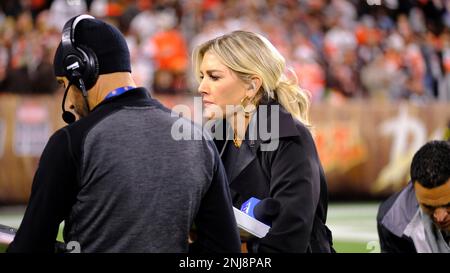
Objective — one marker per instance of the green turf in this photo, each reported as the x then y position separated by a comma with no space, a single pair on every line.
354,247
60,234
2,248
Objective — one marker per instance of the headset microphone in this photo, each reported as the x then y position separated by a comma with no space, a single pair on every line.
67,116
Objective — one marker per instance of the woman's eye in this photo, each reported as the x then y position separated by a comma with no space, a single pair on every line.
214,78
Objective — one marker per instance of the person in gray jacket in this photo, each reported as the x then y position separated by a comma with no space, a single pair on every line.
116,176
417,219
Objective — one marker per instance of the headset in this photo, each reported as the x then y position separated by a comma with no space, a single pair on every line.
80,64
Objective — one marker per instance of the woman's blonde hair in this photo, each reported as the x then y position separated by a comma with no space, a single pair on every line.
249,54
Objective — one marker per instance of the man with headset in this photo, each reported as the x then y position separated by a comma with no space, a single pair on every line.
116,176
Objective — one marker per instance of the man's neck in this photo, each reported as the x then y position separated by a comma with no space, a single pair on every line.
107,83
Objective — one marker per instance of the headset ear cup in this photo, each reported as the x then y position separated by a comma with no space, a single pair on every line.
73,74
91,68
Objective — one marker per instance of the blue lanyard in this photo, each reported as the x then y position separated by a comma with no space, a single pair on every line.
119,91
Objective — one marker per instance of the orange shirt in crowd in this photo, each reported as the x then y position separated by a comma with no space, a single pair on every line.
170,50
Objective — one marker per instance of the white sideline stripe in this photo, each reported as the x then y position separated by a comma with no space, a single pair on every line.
354,235
11,221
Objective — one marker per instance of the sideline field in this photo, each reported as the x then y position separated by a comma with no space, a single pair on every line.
353,225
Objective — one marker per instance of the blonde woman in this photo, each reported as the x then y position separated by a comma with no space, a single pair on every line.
240,74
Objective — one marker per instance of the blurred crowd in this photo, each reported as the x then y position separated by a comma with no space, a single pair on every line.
338,49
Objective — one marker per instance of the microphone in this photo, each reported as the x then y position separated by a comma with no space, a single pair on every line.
265,210
67,116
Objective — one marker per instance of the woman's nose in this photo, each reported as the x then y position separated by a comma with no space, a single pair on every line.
440,214
203,87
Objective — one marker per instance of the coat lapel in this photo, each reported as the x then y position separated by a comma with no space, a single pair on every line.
245,157
248,150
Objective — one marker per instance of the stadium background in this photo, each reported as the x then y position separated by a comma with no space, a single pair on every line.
378,72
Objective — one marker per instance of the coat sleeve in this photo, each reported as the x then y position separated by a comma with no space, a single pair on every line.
389,242
216,226
295,183
51,197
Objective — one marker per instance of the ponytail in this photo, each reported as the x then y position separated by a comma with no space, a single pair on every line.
294,99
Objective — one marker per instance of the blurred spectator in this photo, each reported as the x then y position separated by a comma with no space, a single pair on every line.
11,7
20,48
168,48
143,24
3,64
41,79
63,10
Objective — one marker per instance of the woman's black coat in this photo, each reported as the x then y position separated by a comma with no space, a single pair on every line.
291,174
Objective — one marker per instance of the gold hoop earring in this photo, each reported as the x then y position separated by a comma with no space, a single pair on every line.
246,103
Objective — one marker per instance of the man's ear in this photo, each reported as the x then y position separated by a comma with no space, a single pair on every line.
62,81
